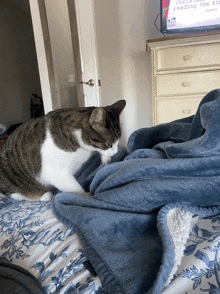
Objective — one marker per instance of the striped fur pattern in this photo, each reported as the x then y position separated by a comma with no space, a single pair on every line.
46,152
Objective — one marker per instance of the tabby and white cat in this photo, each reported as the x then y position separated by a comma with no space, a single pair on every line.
46,152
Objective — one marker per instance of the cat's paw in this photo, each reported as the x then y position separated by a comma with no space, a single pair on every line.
18,196
105,159
46,196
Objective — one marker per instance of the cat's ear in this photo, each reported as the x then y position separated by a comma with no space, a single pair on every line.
118,106
98,119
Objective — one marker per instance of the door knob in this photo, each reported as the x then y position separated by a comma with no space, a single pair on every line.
91,83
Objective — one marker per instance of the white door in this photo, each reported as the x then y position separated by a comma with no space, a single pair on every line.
82,25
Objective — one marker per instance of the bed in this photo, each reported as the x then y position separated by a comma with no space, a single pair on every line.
152,225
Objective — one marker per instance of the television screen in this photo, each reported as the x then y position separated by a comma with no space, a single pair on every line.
189,15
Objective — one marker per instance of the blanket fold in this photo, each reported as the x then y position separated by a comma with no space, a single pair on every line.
123,226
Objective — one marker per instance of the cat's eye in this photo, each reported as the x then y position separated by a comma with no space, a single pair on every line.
94,141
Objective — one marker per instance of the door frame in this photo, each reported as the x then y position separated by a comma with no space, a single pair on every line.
44,54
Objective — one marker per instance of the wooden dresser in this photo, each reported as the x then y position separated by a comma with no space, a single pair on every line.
184,69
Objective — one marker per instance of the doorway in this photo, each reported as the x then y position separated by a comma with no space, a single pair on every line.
19,75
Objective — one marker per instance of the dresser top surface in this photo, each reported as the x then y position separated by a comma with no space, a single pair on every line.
184,39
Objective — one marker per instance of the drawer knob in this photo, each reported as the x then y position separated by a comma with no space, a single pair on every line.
187,57
186,111
186,84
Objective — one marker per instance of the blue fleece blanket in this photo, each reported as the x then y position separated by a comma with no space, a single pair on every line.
123,226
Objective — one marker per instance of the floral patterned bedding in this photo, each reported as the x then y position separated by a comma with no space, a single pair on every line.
200,268
30,236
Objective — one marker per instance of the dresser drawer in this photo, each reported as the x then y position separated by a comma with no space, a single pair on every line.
187,83
188,57
167,110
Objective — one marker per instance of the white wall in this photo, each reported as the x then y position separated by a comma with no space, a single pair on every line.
61,43
122,28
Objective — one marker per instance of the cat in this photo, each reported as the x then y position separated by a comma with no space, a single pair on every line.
46,152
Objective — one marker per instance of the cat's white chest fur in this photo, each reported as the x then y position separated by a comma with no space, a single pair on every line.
58,166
